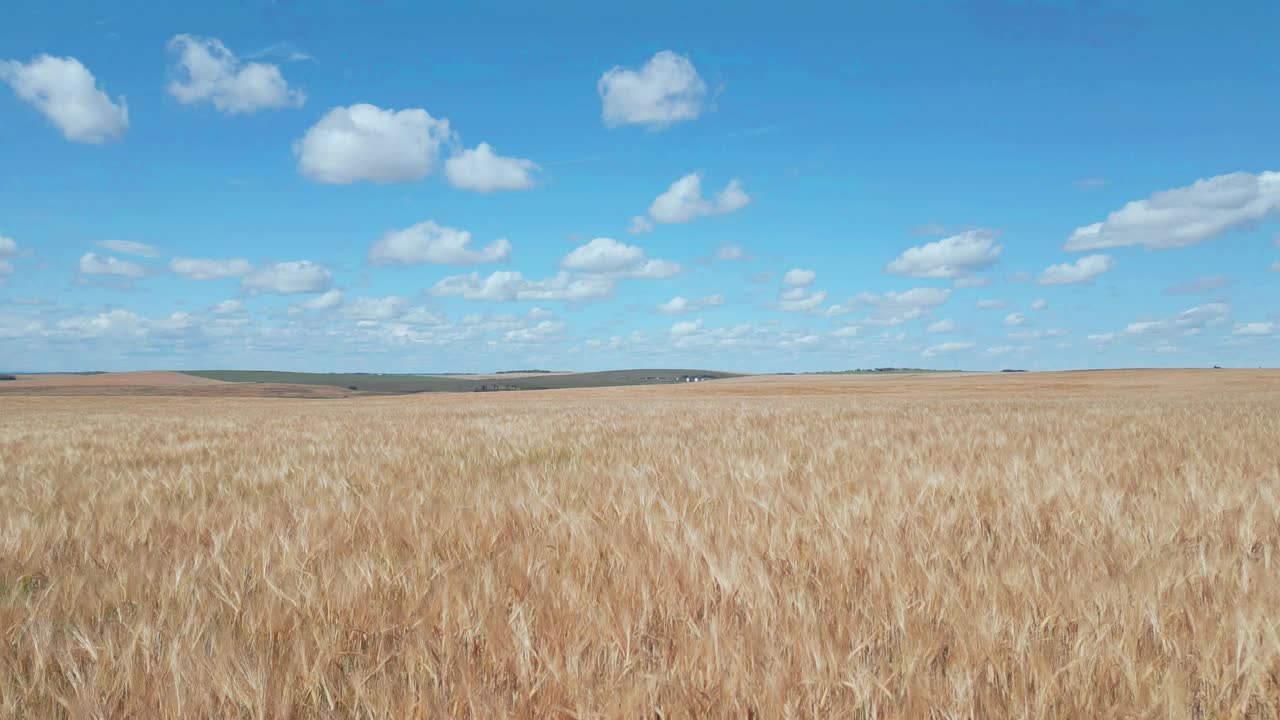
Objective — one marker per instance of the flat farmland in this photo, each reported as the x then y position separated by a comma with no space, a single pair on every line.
1094,544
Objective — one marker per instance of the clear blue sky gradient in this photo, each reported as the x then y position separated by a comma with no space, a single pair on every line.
853,128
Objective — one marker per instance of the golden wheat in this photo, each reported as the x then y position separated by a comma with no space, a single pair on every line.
952,548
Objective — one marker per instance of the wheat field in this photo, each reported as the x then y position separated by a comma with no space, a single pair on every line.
1037,546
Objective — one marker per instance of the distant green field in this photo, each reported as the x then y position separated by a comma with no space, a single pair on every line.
400,384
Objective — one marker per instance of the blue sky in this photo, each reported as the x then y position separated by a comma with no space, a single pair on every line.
383,187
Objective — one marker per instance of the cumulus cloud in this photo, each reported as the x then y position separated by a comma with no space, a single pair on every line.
289,278
366,142
483,170
799,277
799,299
206,71
1257,328
686,327
680,305
1015,320
325,301
941,326
1188,322
951,257
376,308
116,323
1206,283
95,264
208,268
730,251
505,286
129,247
947,347
683,202
665,91
1040,304
227,307
1084,270
1184,216
8,246
66,93
429,242
639,225
610,257
543,332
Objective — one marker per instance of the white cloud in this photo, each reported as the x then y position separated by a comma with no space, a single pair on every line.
941,326
365,142
683,202
505,286
483,170
1083,270
208,268
129,247
226,307
1201,284
894,308
376,308
1101,338
206,71
1040,304
1257,328
288,278
950,257
948,347
67,94
1185,216
1188,322
1015,320
730,251
686,327
116,323
607,256
639,225
325,301
679,305
798,277
95,264
428,242
543,332
798,299
8,246
665,91
990,304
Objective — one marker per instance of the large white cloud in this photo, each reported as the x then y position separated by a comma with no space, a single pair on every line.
1186,215
506,286
610,257
324,301
1083,270
950,257
666,90
799,277
430,242
683,201
483,170
95,264
288,278
365,142
208,268
116,323
206,71
66,92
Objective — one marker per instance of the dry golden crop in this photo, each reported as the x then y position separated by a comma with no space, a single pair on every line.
1074,546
